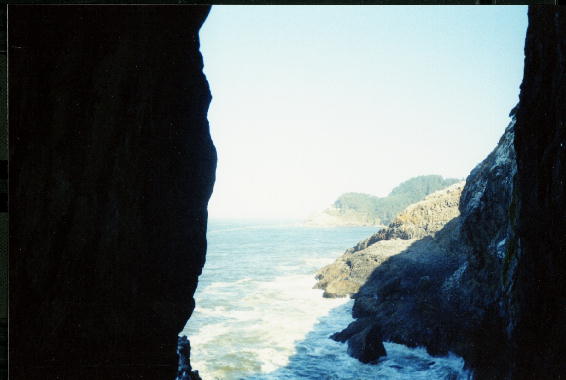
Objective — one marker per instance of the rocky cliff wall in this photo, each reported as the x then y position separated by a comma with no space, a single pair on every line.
518,256
441,288
472,295
536,286
502,305
111,168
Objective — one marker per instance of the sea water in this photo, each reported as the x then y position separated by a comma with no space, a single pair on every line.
257,315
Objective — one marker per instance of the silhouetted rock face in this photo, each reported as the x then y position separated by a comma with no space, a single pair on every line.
111,169
185,371
537,288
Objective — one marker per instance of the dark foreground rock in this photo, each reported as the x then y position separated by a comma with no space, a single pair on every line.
367,345
536,280
111,168
365,341
185,371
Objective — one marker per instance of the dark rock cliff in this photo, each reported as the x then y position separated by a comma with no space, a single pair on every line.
435,291
443,290
516,282
519,241
111,168
502,305
537,288
473,294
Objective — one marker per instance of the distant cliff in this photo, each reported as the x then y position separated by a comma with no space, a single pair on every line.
358,209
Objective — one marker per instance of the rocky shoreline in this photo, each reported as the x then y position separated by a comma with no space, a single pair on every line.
349,272
431,277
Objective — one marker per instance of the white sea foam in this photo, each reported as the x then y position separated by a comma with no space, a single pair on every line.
275,326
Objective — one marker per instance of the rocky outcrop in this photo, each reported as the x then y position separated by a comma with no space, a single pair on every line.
473,293
425,294
420,219
185,371
111,168
349,272
364,341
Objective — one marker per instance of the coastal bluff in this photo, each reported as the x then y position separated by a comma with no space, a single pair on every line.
359,209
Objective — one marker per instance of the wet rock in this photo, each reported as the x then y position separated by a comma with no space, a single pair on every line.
352,329
367,345
185,371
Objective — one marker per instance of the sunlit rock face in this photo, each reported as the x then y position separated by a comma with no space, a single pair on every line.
422,219
111,169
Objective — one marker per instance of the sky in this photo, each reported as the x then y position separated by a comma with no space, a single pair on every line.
309,102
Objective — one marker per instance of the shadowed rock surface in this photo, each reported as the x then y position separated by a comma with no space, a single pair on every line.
438,291
536,281
367,345
111,169
500,302
185,371
349,272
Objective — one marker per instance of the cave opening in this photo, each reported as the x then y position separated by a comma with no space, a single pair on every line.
112,165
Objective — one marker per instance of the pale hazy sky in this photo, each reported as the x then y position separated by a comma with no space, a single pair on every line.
313,101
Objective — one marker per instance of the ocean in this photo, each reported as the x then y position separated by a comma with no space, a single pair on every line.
257,316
